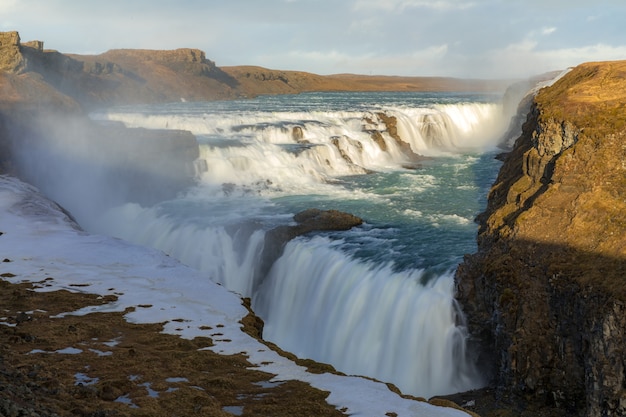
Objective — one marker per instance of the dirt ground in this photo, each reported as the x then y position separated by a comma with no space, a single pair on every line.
99,365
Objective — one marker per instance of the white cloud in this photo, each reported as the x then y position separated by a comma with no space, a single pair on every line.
401,5
443,5
574,56
548,31
451,37
525,58
417,62
365,25
8,6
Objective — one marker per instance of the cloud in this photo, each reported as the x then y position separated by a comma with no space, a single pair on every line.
401,5
572,56
548,31
442,5
473,38
329,62
8,6
525,58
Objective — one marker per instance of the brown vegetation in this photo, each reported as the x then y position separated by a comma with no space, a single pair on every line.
122,369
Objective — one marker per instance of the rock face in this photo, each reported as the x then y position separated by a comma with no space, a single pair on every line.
11,59
517,101
379,123
45,135
545,294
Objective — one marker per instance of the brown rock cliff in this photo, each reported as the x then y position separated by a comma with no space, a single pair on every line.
11,59
545,292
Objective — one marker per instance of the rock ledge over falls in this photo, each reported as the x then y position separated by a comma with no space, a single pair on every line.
545,294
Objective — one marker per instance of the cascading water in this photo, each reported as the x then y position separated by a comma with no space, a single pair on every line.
377,300
366,318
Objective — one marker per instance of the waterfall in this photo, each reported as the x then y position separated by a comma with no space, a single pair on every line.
451,127
227,250
366,319
375,301
326,144
321,303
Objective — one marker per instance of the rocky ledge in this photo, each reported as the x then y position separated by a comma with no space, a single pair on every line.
545,294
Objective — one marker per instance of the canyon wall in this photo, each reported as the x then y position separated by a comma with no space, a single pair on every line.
545,293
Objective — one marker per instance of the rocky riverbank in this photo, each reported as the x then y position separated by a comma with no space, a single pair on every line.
545,292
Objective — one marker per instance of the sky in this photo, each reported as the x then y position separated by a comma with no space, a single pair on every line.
457,38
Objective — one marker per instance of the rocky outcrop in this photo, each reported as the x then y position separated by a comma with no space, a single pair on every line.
44,132
128,76
307,221
11,59
517,101
545,293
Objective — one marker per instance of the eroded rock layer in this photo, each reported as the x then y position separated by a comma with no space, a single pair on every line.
545,293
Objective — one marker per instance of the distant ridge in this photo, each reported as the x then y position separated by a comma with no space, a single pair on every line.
132,76
266,81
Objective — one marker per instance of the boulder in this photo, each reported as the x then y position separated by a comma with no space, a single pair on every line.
307,221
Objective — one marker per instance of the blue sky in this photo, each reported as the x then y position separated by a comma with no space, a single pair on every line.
459,38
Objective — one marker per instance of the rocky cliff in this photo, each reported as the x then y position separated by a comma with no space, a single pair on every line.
11,59
545,293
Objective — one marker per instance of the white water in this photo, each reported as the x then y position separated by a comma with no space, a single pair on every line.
377,300
366,318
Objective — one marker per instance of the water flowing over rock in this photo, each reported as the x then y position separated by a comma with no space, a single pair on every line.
49,137
379,123
544,294
307,221
517,101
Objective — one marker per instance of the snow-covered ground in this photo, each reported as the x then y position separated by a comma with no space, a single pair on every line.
42,242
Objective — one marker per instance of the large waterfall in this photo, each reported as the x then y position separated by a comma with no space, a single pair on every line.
377,300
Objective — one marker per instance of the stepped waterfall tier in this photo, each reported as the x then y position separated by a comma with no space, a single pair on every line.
376,300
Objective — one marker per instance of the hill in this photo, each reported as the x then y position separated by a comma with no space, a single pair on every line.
127,76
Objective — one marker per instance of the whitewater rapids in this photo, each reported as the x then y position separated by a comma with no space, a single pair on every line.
375,301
